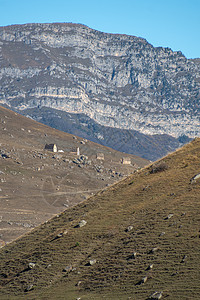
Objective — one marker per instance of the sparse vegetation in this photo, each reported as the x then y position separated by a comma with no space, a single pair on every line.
170,206
35,184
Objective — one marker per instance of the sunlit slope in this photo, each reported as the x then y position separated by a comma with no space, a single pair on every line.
36,184
108,259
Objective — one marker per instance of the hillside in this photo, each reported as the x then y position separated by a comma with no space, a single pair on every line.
113,87
36,184
140,236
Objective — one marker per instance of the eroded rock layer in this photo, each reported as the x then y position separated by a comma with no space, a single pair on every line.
114,80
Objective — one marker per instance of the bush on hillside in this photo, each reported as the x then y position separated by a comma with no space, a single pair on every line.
158,167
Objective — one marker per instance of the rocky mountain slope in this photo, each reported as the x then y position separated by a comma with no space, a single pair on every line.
36,184
139,239
116,81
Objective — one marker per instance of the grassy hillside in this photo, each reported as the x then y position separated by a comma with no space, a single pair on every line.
36,184
108,259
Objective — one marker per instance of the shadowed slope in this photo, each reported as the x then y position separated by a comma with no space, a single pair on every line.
108,259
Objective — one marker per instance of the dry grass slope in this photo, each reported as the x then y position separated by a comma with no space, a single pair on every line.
160,252
35,184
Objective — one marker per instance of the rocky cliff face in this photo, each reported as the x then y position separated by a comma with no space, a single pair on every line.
114,80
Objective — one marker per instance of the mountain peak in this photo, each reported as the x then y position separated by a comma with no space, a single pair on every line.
112,80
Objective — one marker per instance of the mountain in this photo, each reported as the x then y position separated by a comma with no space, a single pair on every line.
36,184
106,87
138,239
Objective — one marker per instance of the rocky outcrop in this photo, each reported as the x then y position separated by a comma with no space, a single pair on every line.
115,80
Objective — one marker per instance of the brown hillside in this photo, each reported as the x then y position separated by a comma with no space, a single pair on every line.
36,184
104,260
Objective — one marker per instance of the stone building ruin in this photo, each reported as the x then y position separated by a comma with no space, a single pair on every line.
126,161
51,147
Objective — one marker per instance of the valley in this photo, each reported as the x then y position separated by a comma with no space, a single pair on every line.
136,239
36,184
99,166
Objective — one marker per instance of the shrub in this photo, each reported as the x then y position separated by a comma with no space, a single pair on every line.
158,167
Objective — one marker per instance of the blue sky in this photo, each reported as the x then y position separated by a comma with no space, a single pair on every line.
168,23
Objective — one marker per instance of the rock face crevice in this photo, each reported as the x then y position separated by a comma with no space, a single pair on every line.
116,80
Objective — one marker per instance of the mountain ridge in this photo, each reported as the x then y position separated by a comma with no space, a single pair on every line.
118,81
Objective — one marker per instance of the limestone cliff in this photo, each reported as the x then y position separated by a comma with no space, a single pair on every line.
114,80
